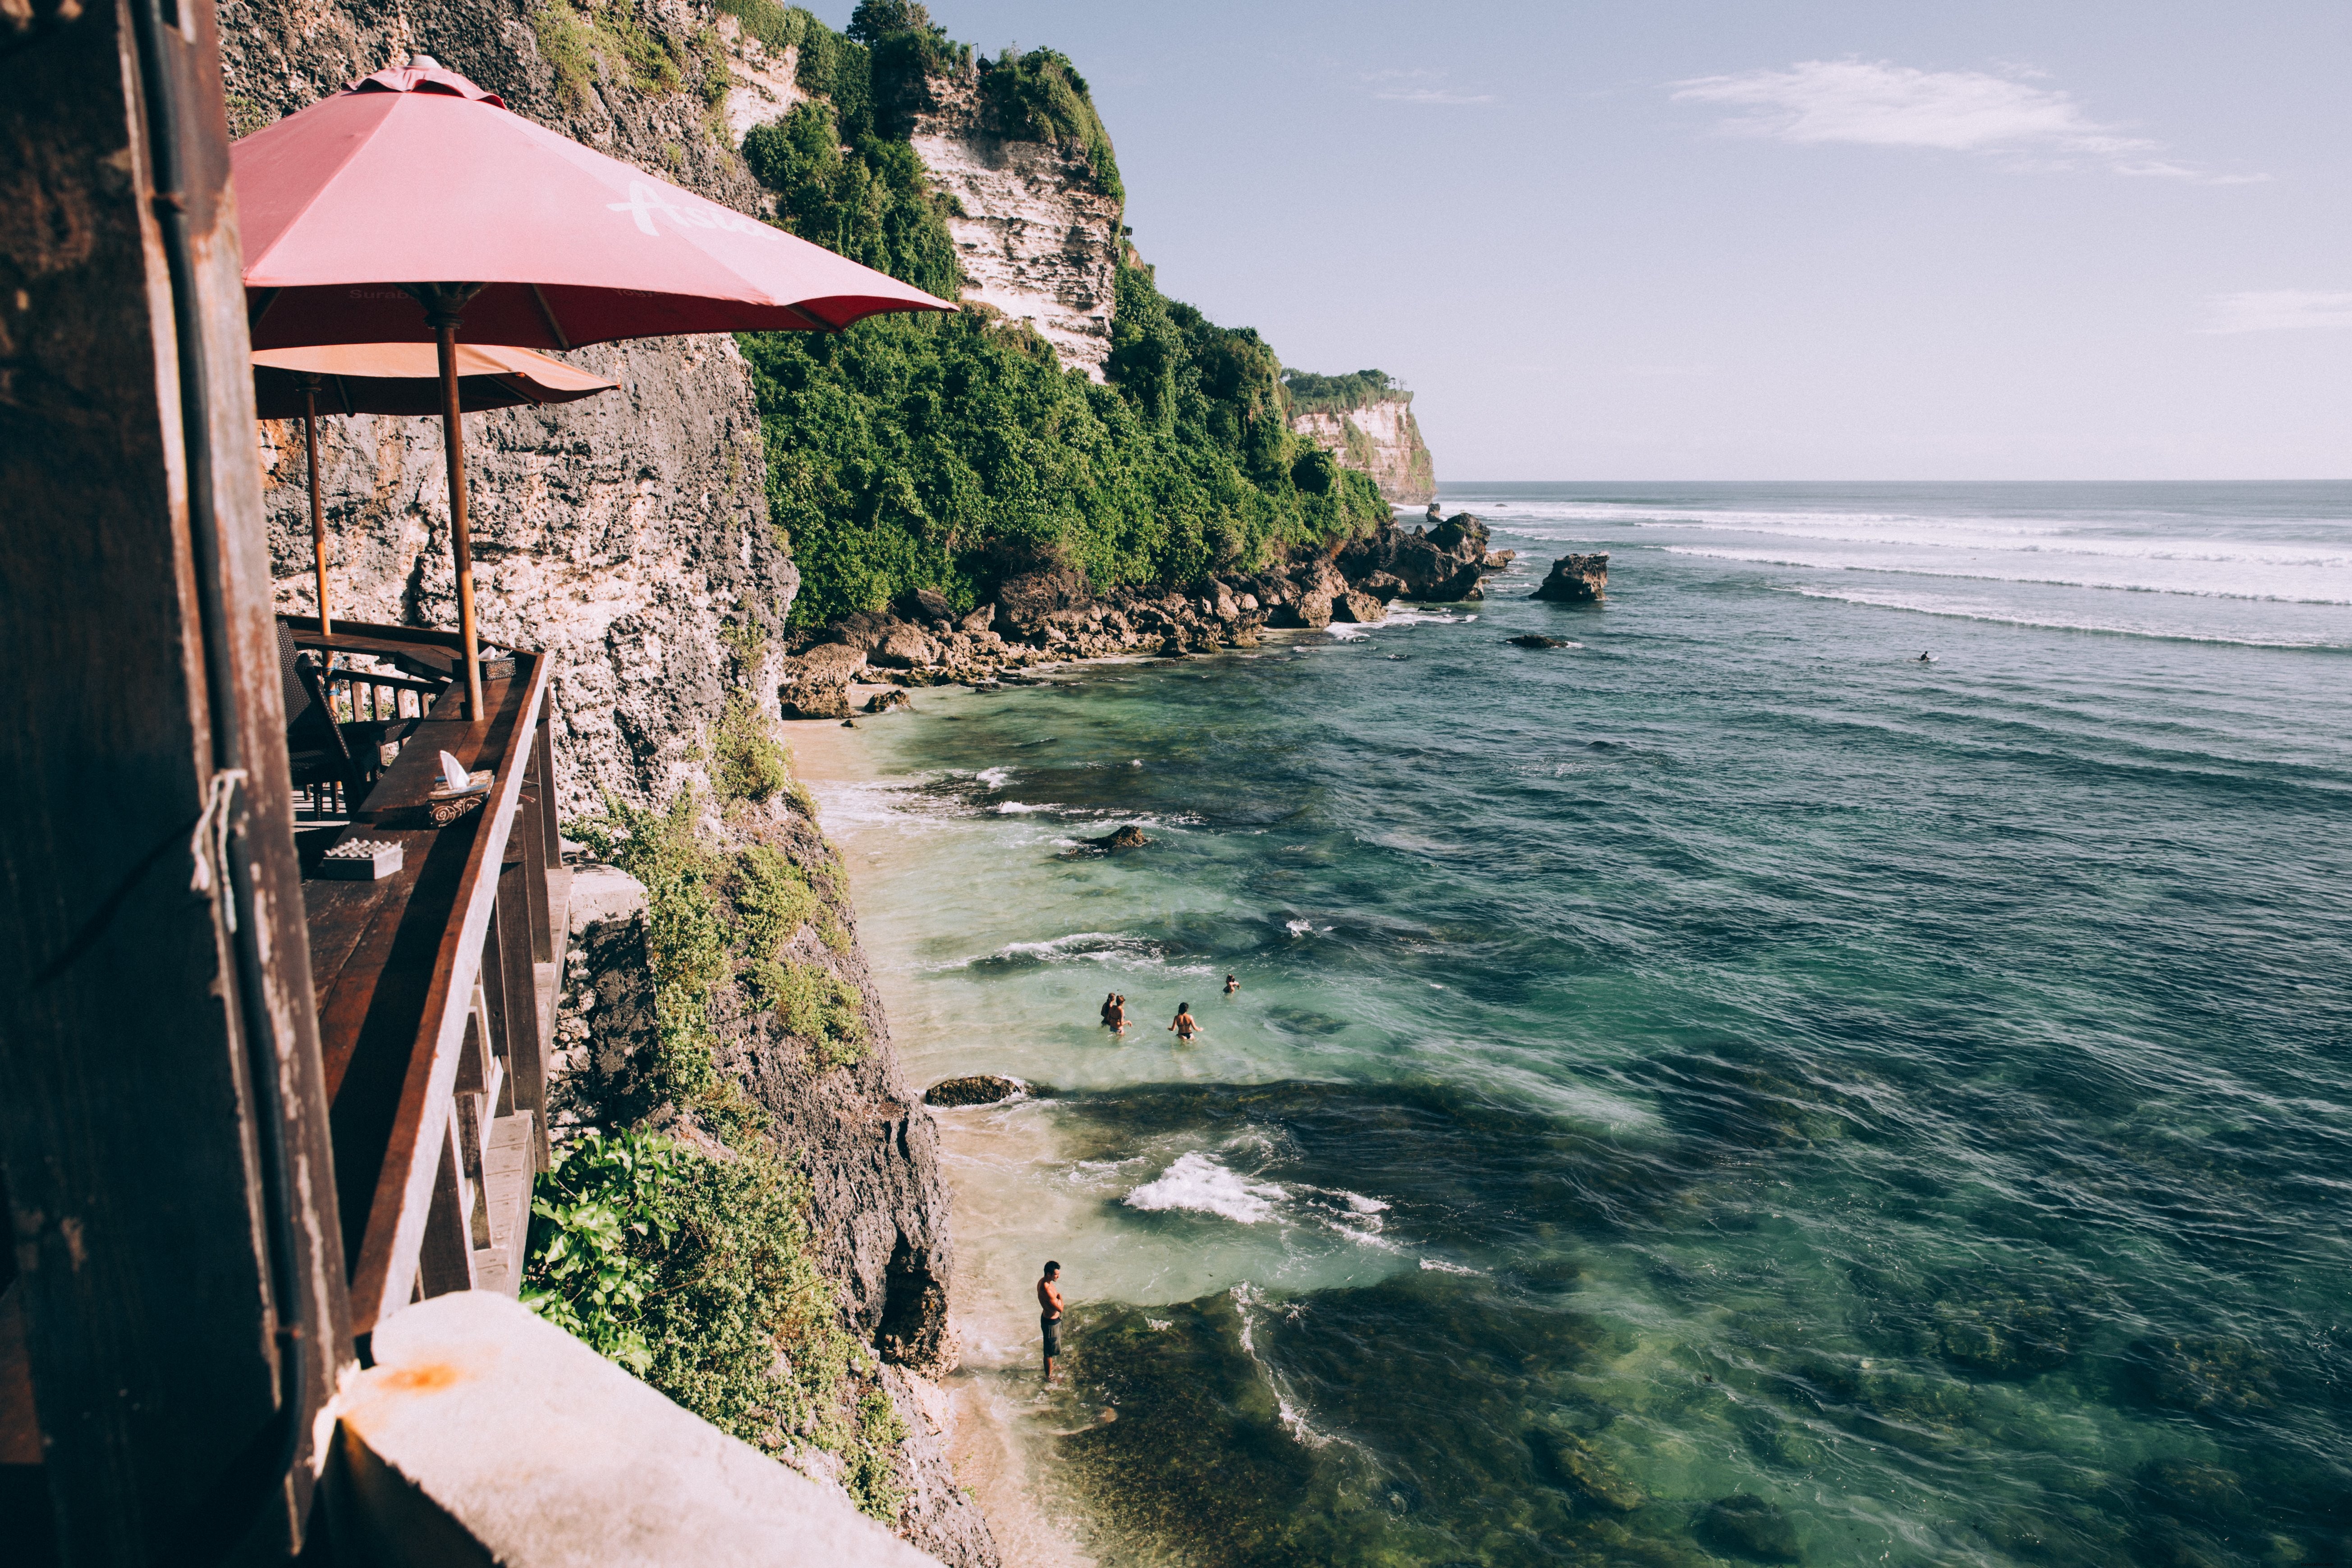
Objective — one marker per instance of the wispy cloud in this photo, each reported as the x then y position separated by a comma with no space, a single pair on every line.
2279,311
1418,87
1879,104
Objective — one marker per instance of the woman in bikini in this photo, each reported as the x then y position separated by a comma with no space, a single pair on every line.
1114,1014
1185,1024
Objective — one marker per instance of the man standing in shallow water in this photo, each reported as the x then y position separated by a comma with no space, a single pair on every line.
1049,1314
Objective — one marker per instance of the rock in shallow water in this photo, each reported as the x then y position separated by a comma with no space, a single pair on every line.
1743,1525
1531,640
979,1089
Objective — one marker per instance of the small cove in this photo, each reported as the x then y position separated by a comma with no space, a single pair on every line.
1727,1058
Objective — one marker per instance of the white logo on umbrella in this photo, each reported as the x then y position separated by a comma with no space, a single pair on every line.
646,200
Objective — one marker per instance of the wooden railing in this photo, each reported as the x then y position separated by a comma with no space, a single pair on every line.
437,987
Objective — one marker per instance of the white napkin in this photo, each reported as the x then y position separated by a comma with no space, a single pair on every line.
452,775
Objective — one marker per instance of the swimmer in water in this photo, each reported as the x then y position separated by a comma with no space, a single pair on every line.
1233,984
1185,1024
1117,1015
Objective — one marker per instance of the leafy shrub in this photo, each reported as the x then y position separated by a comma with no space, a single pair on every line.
598,1221
773,899
1041,97
751,764
780,28
812,1002
687,949
696,1274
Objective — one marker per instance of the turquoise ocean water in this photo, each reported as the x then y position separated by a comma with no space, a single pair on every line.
1722,1089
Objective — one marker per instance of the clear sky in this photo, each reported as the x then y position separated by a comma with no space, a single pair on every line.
1761,238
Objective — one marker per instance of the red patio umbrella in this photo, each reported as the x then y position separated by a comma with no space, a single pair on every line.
414,204
399,378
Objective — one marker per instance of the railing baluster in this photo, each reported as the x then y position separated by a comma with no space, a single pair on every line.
526,1055
446,1261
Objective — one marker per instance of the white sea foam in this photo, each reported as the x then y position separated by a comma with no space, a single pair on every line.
2300,560
1017,808
1344,631
1198,1185
1116,948
1298,928
1438,1266
1928,603
994,778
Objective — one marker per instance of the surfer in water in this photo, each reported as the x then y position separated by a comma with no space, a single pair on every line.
1185,1024
1926,658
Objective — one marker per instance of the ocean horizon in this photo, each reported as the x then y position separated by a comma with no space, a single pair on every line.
1724,1087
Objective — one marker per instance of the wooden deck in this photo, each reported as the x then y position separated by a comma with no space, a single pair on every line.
436,990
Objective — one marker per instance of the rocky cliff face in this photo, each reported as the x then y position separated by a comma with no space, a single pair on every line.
1034,230
620,532
1381,439
626,534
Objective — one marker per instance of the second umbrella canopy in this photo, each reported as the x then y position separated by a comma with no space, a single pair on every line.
399,379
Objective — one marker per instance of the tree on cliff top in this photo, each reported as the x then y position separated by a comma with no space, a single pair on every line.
875,20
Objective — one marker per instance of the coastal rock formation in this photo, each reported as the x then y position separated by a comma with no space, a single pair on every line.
1436,565
1366,421
1576,580
1035,229
1052,616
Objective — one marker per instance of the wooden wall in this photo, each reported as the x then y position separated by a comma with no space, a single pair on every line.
152,1298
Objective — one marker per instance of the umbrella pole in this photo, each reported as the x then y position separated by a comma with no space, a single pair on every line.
318,510
453,442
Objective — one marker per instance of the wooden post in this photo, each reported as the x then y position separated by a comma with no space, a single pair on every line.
461,545
318,507
162,1122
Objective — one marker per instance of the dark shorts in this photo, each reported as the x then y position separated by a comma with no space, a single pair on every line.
1051,1329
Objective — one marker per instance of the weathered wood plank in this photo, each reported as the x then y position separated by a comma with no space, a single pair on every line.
128,1124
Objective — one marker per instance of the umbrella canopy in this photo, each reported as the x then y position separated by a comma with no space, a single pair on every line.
405,378
413,204
417,176
398,378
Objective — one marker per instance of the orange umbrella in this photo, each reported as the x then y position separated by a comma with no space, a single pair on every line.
416,188
399,378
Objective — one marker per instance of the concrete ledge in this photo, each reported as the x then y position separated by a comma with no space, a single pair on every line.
484,1435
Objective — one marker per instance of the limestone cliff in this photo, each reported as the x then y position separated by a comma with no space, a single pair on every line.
1367,424
1036,227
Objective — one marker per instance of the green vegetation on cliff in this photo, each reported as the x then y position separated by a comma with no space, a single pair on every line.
694,1267
950,452
1312,394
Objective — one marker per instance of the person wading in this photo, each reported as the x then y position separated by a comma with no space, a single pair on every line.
1049,1314
1185,1024
1116,1016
